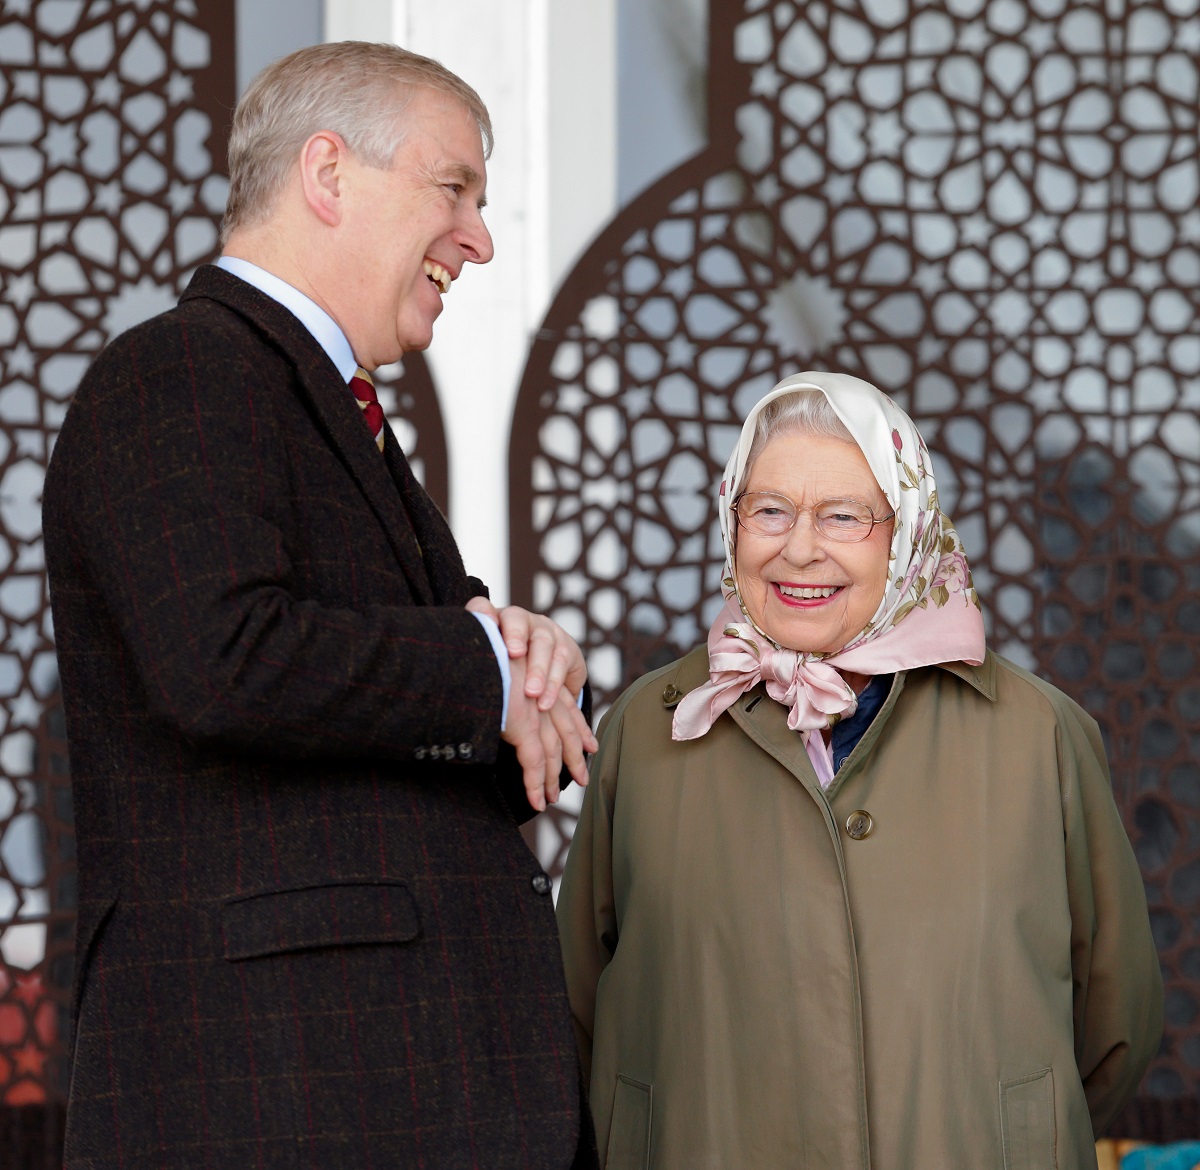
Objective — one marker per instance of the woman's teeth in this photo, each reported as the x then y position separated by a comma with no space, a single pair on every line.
807,593
439,275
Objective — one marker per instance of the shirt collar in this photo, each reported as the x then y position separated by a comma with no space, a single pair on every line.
319,323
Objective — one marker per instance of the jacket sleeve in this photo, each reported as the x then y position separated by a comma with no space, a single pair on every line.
172,495
587,918
1117,980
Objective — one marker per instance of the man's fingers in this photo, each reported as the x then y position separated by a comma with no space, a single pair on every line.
539,658
553,749
555,661
560,664
484,606
515,627
531,755
577,673
522,729
575,737
546,741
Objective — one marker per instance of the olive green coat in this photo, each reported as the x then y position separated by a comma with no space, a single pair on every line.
971,985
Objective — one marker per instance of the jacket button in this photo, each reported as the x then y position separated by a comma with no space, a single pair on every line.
859,824
541,883
671,695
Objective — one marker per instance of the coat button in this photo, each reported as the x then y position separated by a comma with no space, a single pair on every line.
859,824
541,883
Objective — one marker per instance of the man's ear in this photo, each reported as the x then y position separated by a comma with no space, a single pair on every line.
323,161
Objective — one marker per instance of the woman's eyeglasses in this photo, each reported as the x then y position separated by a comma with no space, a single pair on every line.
770,514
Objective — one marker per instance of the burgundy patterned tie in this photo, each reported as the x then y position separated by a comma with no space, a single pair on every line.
368,401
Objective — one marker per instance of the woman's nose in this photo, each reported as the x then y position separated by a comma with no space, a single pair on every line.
803,544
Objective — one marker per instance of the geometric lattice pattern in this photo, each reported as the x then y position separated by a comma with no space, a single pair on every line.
991,210
113,121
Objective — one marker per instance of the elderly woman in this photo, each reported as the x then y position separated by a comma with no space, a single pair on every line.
848,889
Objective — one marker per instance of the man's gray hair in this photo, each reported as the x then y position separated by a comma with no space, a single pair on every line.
356,89
804,411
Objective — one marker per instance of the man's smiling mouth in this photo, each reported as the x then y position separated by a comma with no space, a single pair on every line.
439,275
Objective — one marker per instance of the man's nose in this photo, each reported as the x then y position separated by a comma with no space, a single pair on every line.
476,241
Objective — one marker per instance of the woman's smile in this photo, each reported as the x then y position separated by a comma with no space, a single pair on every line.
806,595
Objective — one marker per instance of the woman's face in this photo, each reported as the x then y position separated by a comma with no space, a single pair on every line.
804,591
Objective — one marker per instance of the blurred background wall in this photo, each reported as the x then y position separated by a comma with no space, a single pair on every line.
990,209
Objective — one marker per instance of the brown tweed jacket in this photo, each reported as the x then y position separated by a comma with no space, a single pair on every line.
310,934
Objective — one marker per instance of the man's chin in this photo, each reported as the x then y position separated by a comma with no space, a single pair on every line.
418,337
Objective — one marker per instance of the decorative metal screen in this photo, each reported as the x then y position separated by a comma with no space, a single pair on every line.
113,120
990,209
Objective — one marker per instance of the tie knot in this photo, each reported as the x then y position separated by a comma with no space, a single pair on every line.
362,386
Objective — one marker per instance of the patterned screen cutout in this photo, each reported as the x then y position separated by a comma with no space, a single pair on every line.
113,119
992,211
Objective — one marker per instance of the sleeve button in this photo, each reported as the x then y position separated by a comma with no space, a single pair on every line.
419,754
465,751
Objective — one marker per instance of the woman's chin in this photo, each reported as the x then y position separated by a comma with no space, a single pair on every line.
805,637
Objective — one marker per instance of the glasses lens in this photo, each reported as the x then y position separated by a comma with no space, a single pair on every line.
843,520
766,514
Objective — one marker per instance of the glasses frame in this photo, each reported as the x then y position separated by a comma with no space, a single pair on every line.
796,510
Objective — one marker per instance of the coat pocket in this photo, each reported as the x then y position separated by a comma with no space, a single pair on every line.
336,915
1027,1121
629,1132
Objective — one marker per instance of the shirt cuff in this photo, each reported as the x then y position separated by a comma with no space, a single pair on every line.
501,652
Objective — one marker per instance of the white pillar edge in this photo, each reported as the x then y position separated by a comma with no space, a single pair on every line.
547,71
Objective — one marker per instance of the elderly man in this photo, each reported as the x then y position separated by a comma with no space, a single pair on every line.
310,934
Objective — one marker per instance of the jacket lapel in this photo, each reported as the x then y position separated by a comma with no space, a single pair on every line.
336,412
439,553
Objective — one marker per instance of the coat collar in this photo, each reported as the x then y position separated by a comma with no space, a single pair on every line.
385,483
981,677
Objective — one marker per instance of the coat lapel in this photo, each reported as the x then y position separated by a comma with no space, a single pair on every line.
439,553
336,413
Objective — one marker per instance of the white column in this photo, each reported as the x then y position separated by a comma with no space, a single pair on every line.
361,20
582,111
547,71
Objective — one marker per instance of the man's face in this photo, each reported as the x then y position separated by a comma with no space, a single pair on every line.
408,231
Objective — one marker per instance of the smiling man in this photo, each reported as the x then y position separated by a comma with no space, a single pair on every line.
310,934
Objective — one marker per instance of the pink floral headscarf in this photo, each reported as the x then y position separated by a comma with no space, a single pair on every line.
929,612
